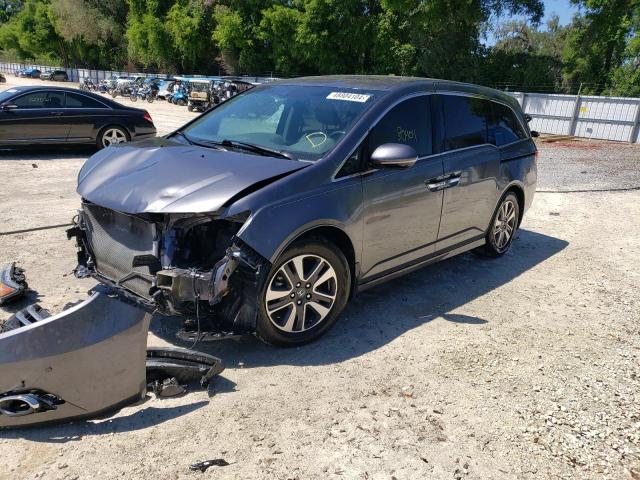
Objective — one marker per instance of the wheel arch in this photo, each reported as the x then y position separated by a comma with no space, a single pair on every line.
334,235
518,190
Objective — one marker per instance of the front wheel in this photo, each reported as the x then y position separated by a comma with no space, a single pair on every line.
502,228
306,290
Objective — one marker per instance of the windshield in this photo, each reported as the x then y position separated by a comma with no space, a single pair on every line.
302,121
7,94
199,86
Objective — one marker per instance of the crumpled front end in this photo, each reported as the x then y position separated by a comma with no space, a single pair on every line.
190,264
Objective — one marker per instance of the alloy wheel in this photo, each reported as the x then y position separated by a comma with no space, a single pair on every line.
301,293
505,224
113,136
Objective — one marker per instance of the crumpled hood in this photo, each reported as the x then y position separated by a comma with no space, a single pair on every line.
164,176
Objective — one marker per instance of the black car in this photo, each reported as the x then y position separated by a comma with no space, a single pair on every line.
53,115
269,212
56,75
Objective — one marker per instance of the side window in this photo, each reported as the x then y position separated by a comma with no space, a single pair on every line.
80,101
40,100
465,121
504,127
408,123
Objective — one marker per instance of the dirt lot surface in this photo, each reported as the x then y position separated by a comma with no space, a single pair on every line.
524,367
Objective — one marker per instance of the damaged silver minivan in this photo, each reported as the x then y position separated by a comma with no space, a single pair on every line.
270,211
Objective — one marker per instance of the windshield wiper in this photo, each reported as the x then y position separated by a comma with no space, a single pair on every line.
268,152
200,143
184,135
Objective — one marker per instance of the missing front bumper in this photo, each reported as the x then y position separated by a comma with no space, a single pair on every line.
88,360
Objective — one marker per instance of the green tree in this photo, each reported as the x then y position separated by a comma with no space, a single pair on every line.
31,34
189,24
8,8
598,43
94,31
149,42
526,58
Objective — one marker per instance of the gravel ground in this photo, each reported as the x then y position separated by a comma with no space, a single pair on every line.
588,165
523,367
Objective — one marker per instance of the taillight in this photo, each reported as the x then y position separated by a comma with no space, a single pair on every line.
148,118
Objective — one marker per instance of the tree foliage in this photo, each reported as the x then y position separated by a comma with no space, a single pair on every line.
437,38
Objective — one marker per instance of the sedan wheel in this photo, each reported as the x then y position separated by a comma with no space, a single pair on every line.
113,136
304,294
301,294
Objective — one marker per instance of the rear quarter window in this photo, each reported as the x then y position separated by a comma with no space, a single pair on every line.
504,126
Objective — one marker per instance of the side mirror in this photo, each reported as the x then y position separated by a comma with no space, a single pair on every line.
535,134
9,107
393,155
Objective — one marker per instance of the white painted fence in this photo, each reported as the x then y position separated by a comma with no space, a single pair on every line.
605,118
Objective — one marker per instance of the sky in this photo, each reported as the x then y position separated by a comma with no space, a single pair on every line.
562,8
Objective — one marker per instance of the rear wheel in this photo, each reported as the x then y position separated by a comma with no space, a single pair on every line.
502,228
112,135
306,290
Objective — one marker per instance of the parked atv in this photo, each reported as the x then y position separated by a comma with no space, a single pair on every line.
203,93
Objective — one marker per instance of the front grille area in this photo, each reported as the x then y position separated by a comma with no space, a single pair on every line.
115,239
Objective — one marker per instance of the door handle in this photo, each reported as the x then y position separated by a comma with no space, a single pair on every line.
56,113
443,181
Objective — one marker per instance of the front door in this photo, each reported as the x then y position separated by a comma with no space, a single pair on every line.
401,211
37,118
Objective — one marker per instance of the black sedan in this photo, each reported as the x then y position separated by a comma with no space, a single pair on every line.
52,115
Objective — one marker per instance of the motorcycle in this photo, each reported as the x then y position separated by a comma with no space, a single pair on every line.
88,86
180,96
134,92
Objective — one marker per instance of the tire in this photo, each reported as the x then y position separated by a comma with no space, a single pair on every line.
114,94
133,98
503,227
112,132
150,99
181,102
319,304
190,108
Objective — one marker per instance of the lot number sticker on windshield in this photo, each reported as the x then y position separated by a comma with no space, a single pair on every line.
349,97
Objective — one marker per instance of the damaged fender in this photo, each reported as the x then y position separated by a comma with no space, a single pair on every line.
84,361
